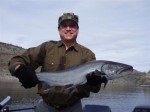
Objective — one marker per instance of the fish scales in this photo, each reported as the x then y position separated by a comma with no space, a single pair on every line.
77,75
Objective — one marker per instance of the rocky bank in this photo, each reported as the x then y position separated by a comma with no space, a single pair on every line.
7,51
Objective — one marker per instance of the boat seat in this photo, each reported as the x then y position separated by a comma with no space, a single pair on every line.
96,108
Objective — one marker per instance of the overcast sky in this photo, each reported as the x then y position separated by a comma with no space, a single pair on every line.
116,30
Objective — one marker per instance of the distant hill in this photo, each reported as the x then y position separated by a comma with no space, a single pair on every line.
7,51
136,78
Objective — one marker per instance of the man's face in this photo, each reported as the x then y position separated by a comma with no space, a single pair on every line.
68,30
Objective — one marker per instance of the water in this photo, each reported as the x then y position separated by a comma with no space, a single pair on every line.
17,92
119,98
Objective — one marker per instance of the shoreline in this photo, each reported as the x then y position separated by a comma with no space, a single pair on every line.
5,77
8,78
12,79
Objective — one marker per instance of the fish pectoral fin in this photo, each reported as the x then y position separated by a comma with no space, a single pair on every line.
105,85
104,80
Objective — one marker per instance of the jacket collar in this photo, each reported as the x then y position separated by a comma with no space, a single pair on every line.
61,44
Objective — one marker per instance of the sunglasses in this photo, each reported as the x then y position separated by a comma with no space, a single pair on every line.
70,25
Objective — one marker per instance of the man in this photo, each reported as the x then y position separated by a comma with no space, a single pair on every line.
54,56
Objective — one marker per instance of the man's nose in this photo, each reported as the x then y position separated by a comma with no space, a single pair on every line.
68,27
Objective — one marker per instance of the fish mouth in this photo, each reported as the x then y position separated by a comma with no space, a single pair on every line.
125,70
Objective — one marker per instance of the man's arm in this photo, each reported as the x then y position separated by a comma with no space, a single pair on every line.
23,66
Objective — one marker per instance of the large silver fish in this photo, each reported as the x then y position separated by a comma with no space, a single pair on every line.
77,75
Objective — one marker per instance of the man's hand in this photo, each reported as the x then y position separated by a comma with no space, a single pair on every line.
95,78
26,76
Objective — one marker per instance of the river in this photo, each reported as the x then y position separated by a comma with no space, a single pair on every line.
118,98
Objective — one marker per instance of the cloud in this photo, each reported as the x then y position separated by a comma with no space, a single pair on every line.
116,30
126,47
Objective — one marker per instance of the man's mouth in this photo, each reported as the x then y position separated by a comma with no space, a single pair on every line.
68,34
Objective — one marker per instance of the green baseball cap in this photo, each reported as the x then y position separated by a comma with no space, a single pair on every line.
68,16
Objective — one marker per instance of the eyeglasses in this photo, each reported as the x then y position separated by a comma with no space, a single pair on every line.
70,25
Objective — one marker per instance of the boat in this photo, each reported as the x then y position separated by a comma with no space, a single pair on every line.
87,108
142,108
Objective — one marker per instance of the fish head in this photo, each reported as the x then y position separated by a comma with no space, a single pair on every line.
113,70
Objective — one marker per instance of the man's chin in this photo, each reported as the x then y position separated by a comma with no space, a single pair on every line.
69,39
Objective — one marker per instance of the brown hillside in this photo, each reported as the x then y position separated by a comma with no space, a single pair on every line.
7,51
